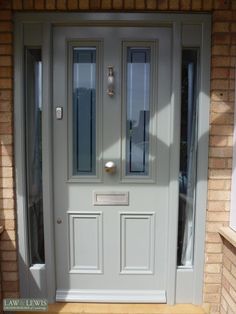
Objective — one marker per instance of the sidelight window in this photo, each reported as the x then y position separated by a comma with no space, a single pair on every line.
33,131
188,157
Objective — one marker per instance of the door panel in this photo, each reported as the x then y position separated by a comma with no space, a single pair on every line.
111,239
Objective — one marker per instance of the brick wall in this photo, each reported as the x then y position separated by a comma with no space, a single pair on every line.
228,297
8,255
220,151
221,124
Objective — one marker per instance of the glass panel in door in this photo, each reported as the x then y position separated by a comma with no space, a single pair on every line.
84,111
137,110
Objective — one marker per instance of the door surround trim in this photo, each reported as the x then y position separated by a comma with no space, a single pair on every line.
40,25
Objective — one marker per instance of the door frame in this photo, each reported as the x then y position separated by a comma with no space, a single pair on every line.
188,30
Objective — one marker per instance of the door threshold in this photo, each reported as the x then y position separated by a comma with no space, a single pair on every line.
108,308
112,296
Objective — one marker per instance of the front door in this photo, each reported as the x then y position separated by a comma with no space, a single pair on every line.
111,98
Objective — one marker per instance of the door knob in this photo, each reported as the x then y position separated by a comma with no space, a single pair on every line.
110,167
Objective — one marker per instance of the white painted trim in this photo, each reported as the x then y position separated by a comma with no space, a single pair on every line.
174,164
110,296
48,215
232,222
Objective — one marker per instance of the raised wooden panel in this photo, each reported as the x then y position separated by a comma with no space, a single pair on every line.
85,232
137,243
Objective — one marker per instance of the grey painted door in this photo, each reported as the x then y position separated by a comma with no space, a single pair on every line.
111,224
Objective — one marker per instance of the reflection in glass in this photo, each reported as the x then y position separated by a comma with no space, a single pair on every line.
33,130
188,156
84,111
137,110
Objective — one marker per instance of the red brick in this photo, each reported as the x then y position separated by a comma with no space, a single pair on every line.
219,84
222,118
151,4
139,4
221,61
196,5
5,15
129,4
221,107
9,276
220,73
207,5
233,38
106,4
233,62
5,4
8,245
222,27
84,5
5,105
219,184
5,117
72,4
95,4
5,38
220,50
219,95
11,295
5,61
8,235
216,196
185,4
10,286
17,4
50,5
5,49
39,4
6,26
5,72
231,96
232,73
221,129
5,83
118,4
217,163
61,4
6,150
5,139
28,4
174,5
9,224
9,266
5,128
220,39
162,4
9,256
220,152
222,15
218,140
222,4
